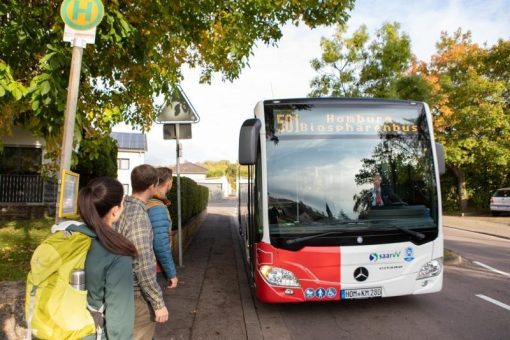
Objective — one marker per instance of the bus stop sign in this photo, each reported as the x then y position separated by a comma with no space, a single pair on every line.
82,15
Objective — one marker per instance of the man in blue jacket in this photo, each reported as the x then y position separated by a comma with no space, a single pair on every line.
157,208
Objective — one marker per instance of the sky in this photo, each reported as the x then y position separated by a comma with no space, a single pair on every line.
284,71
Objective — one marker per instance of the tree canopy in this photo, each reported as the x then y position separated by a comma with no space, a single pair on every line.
470,85
357,66
140,49
466,85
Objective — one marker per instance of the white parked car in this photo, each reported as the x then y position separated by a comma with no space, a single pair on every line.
500,201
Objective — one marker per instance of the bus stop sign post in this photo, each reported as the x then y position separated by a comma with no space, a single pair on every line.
81,18
173,131
179,225
176,114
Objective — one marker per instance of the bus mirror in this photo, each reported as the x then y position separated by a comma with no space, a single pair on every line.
248,139
440,158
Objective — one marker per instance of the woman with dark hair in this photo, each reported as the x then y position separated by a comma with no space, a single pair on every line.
157,208
108,267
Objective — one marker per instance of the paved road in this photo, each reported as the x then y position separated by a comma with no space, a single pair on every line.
455,313
490,250
213,301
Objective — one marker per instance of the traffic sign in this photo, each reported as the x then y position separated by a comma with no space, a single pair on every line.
170,131
86,37
82,14
178,110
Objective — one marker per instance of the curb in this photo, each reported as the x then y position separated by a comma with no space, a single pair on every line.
477,232
251,319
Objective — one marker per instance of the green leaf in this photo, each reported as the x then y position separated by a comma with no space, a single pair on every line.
2,91
45,87
47,57
16,92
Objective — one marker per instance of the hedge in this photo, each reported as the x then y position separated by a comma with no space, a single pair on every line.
194,199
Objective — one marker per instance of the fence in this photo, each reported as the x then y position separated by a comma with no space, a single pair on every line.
21,189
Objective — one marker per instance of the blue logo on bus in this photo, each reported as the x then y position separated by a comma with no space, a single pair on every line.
409,254
309,293
320,293
331,292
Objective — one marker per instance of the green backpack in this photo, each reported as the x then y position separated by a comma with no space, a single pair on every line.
53,308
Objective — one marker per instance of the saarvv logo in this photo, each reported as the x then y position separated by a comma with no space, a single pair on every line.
374,257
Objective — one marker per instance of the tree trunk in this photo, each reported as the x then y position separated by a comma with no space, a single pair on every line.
461,188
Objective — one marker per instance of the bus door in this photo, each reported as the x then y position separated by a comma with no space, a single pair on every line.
249,154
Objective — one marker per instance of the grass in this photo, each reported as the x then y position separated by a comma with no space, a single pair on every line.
18,240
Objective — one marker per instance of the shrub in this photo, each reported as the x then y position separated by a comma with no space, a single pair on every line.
194,199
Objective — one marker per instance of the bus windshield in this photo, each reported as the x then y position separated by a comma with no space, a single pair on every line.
349,167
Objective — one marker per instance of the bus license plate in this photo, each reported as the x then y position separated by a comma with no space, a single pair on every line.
365,293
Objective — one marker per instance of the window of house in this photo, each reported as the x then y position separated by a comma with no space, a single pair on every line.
122,163
22,160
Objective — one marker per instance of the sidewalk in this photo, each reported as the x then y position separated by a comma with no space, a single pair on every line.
495,226
212,300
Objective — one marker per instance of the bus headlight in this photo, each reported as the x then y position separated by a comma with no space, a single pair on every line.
430,269
278,276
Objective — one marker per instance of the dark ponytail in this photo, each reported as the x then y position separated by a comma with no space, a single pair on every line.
94,202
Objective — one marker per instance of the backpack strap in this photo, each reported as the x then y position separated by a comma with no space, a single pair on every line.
98,316
63,226
31,312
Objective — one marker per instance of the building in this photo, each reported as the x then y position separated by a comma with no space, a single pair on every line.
23,191
131,153
191,170
218,186
242,186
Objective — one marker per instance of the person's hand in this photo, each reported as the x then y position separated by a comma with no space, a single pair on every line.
172,283
161,315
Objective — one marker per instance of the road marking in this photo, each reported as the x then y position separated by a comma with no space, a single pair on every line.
496,302
490,268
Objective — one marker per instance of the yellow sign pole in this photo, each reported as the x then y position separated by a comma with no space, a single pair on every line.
90,13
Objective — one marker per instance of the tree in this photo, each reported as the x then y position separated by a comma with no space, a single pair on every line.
357,67
223,168
139,51
97,157
470,86
467,87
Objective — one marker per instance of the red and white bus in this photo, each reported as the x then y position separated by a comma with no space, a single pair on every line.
313,223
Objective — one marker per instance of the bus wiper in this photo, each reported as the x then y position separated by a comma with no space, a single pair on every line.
309,237
416,234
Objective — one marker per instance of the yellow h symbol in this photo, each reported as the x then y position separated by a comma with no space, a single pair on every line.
78,10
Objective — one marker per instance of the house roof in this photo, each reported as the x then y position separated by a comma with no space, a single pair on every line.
189,168
130,140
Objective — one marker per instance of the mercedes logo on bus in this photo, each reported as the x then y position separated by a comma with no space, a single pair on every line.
361,274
